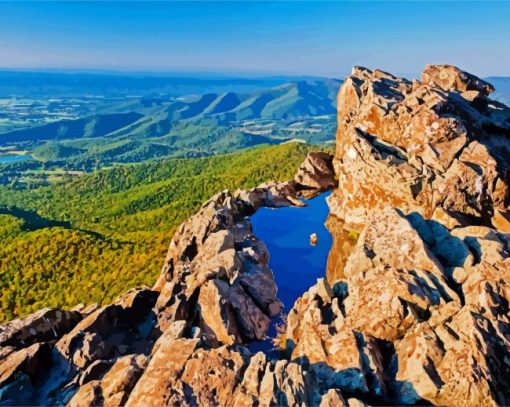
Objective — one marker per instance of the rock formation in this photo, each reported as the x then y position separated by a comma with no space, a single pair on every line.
420,315
215,290
414,309
421,145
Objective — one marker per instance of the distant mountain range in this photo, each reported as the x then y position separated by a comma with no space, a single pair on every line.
156,117
149,127
172,116
290,100
66,84
110,84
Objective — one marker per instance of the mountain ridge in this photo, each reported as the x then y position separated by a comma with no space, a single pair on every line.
193,125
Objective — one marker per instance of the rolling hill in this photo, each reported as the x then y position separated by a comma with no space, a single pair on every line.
187,126
88,127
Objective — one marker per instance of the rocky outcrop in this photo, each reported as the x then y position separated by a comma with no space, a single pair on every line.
216,270
413,309
42,326
181,372
417,311
419,145
114,388
216,273
215,289
315,175
420,315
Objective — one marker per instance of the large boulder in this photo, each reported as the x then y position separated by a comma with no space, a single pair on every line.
216,273
419,145
113,330
42,326
114,388
315,175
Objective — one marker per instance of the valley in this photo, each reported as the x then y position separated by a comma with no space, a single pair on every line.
67,135
96,167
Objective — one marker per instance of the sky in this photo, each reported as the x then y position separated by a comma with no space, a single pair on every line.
305,38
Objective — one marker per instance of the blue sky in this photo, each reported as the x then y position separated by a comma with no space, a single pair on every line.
315,38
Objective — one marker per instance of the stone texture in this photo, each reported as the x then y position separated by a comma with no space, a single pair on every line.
452,79
28,361
438,142
501,220
419,309
112,330
343,245
454,363
315,175
216,269
333,398
114,387
44,325
216,272
160,384
414,309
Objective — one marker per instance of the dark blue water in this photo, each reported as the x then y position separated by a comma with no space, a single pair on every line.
295,263
286,232
5,159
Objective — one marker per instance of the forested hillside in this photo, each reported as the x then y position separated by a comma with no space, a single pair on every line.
89,239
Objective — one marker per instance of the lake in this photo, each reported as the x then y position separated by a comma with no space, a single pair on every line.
12,158
295,263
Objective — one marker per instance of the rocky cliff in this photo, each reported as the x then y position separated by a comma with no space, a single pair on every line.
414,312
438,146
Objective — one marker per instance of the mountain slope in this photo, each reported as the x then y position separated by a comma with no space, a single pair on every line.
290,100
90,239
89,127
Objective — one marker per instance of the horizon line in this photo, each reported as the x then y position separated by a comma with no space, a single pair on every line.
167,71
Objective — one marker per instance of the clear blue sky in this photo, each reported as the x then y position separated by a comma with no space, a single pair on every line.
315,38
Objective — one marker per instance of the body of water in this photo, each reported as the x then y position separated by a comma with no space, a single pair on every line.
296,264
12,158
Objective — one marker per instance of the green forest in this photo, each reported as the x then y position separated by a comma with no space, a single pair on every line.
90,238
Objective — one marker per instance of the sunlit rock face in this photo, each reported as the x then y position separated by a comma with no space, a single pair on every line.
413,307
416,311
419,314
343,245
419,145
